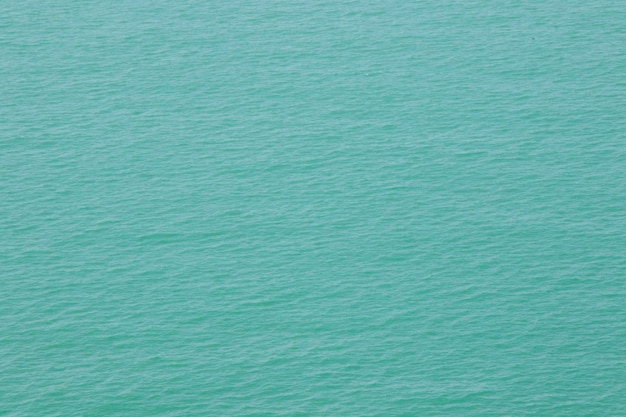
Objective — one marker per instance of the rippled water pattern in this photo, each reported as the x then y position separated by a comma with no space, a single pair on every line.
312,208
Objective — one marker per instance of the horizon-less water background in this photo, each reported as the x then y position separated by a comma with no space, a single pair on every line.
375,208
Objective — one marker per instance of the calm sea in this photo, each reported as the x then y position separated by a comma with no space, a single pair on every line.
313,208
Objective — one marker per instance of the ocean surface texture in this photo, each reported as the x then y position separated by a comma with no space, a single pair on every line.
313,208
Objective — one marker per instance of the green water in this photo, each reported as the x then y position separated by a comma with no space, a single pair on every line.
285,208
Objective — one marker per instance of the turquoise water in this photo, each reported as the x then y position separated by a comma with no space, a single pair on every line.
317,208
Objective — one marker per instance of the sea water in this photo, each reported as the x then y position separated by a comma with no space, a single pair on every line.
313,208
